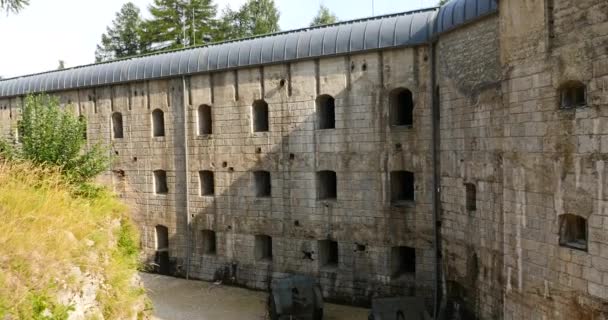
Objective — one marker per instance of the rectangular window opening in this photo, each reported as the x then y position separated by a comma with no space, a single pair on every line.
402,186
326,112
208,242
260,116
327,187
160,182
204,120
263,247
262,183
207,183
573,231
403,261
328,253
471,196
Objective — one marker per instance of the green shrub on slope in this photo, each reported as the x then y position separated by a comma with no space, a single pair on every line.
49,238
52,136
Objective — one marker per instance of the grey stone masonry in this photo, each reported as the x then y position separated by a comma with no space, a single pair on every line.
324,166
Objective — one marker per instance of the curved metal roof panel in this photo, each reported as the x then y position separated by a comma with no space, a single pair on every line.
391,31
456,13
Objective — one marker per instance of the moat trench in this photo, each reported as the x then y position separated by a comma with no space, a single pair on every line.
179,299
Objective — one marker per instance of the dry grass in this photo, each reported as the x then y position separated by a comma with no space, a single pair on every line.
46,231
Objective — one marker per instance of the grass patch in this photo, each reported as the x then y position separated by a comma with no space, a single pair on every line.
52,232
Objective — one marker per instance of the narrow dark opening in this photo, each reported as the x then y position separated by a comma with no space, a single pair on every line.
162,237
402,186
206,182
263,247
158,123
83,121
262,183
403,261
573,231
328,253
208,242
327,185
117,128
160,182
573,95
326,116
204,120
471,196
260,116
401,107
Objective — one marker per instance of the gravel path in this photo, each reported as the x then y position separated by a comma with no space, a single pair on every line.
179,299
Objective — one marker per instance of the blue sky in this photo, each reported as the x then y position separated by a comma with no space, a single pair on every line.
47,31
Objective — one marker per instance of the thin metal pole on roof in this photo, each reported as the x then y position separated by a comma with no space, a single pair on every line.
373,8
193,29
184,28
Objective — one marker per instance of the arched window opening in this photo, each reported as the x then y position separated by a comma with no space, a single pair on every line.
117,129
263,247
204,120
160,182
327,187
158,123
262,184
401,107
260,116
326,112
206,182
162,238
572,95
208,242
573,231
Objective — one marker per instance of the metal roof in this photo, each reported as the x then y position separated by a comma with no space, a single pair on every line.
390,31
459,12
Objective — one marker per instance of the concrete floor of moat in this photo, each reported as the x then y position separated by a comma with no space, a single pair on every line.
179,299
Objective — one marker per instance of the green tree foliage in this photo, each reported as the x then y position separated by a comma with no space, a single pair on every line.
324,16
442,2
52,136
255,17
124,37
179,23
13,5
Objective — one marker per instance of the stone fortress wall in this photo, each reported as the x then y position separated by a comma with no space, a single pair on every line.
270,181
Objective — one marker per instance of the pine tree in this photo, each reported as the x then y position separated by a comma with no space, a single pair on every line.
180,23
231,25
123,38
324,16
13,5
255,17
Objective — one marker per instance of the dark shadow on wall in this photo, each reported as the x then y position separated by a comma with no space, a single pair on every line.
362,150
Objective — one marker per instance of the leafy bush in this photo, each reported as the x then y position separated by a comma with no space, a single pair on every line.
52,136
